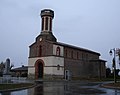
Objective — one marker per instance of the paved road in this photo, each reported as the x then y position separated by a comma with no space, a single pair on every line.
66,88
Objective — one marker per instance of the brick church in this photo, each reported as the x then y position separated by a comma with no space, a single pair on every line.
49,59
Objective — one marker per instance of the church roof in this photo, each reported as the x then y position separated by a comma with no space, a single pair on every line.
98,60
70,46
74,47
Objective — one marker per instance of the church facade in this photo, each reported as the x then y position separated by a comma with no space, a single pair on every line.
49,59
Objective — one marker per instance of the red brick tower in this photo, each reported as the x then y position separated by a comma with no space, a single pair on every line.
47,16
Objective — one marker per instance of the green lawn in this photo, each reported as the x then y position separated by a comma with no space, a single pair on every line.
14,86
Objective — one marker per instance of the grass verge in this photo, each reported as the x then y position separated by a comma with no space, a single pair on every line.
113,84
15,86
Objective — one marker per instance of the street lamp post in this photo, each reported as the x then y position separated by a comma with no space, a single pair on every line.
113,51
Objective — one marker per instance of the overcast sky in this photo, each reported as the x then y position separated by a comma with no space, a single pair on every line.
90,24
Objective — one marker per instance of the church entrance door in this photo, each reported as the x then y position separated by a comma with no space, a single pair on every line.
39,69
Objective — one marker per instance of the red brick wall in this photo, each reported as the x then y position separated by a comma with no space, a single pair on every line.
79,64
46,47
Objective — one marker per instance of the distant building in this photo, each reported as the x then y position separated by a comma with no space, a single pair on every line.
51,59
20,71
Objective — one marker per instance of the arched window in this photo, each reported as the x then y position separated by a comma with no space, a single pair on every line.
58,51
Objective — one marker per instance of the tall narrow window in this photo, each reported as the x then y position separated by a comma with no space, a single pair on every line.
72,54
58,51
36,51
82,56
86,57
65,53
42,23
40,51
50,24
46,23
77,55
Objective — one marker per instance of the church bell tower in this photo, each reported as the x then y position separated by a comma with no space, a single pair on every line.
47,16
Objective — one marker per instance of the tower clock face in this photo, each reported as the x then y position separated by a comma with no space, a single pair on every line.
40,39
